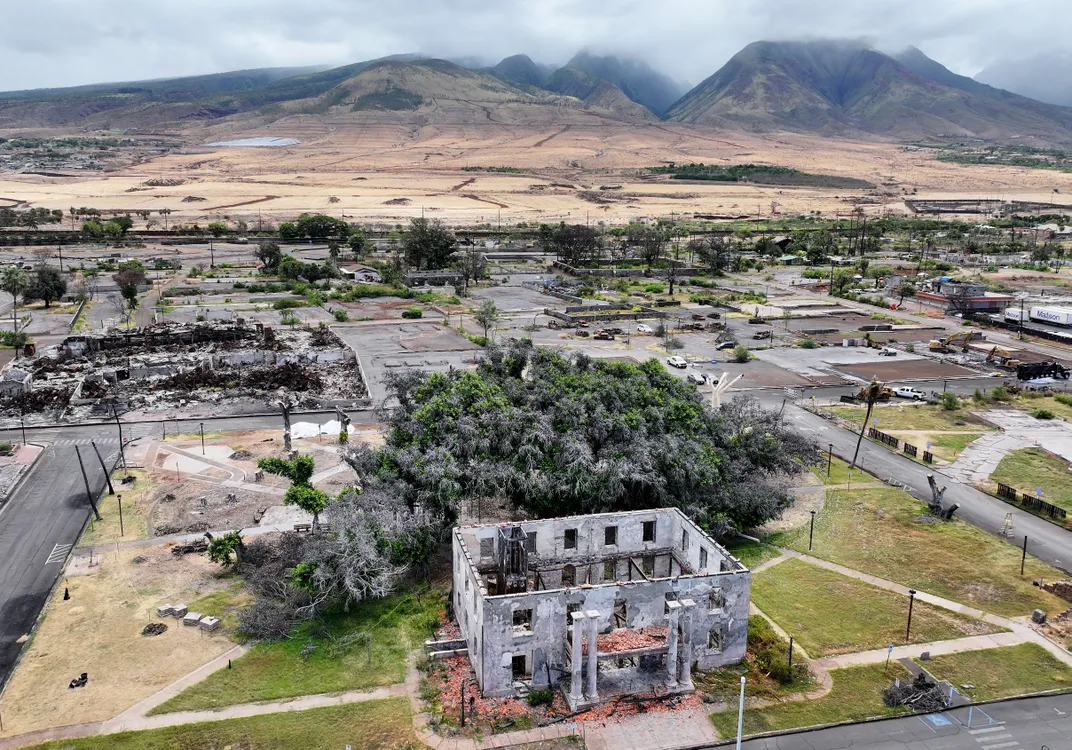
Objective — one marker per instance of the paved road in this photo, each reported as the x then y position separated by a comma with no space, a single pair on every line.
37,528
1027,724
1045,540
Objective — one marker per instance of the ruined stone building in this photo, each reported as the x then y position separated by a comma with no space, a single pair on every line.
656,596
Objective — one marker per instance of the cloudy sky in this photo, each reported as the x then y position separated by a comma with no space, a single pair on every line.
68,42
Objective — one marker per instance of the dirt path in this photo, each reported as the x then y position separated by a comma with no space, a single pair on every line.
542,141
460,185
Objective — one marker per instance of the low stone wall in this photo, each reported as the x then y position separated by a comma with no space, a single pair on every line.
1062,589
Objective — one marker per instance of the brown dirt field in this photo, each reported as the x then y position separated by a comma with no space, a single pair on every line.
369,159
99,632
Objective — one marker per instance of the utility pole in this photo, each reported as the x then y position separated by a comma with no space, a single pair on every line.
1020,322
911,601
107,474
89,494
122,454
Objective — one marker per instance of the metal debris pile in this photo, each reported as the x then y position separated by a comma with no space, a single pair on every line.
921,694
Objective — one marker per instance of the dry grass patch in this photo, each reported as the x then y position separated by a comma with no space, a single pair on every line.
137,500
98,631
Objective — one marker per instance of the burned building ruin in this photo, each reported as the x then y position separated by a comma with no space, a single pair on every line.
656,596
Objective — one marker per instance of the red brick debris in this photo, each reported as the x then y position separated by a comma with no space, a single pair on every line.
624,639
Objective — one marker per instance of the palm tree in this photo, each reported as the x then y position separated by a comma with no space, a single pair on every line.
14,281
870,394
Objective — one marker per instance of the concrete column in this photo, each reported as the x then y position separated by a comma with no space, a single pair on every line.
593,655
577,659
671,642
686,646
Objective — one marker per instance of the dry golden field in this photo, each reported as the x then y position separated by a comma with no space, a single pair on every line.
377,166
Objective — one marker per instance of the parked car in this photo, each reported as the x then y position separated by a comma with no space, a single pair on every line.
645,328
887,352
679,362
726,345
912,393
699,378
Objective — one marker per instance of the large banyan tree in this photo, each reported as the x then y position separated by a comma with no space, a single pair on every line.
553,435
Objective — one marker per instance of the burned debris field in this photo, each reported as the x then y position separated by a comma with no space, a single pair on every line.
169,366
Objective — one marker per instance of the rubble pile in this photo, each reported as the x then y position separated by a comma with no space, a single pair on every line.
181,365
624,639
921,694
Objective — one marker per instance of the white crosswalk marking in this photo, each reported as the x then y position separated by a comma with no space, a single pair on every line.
87,441
58,553
1001,744
985,730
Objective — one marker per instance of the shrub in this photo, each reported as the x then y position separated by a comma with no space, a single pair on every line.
808,344
910,347
1042,413
290,320
341,315
344,436
1060,398
771,653
674,343
980,396
5,447
949,401
12,339
653,288
287,304
741,354
541,697
411,313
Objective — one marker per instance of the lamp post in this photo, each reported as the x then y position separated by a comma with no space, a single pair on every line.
811,530
911,601
740,715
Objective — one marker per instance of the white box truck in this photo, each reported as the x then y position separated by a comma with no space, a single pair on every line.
1061,316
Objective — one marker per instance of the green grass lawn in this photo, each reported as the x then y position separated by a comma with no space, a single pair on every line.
224,604
752,554
137,498
371,725
1028,468
901,416
882,531
829,613
839,474
275,670
856,694
1002,672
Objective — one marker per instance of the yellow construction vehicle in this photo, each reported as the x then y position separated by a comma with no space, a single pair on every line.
885,393
1002,358
963,338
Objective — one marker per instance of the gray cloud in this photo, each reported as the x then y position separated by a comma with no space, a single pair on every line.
70,42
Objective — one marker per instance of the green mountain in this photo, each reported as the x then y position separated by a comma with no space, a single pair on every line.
835,88
520,69
636,79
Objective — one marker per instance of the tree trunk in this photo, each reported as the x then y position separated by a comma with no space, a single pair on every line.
870,406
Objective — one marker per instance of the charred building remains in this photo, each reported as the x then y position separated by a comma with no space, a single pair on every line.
597,605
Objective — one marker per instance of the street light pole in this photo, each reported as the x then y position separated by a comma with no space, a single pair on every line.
811,530
911,601
740,715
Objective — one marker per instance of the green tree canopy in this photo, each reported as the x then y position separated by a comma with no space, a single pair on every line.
269,254
299,470
583,436
321,226
428,244
47,284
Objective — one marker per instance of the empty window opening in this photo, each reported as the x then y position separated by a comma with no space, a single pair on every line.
648,565
570,540
703,558
530,542
487,548
610,536
519,667
570,609
569,576
523,619
716,599
714,639
684,540
619,616
649,531
609,573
